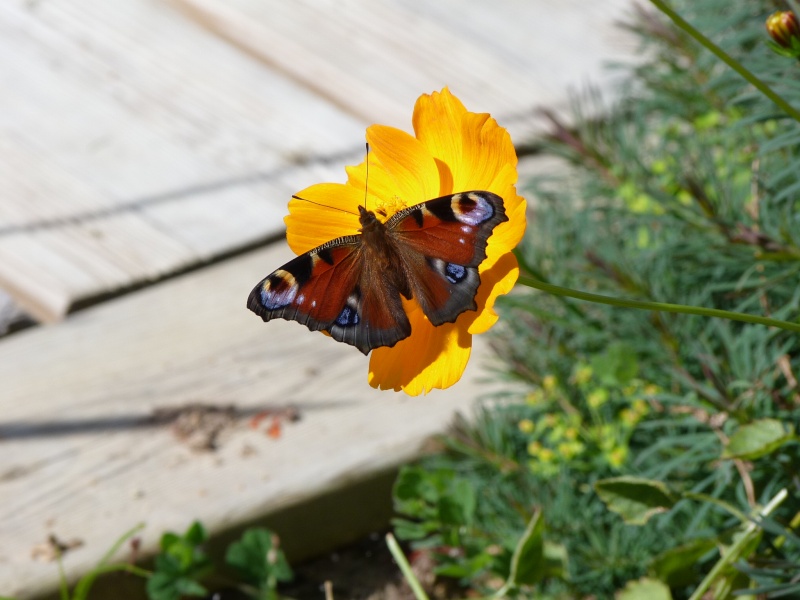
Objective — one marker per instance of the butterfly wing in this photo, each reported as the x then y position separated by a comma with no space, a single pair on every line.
330,288
441,243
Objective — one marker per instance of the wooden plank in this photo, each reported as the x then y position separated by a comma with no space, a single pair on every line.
373,58
134,144
81,460
126,111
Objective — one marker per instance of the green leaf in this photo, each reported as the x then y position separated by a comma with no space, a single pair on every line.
457,507
679,566
168,540
555,560
196,534
178,566
527,566
410,530
162,586
617,366
416,490
635,499
645,589
758,439
259,559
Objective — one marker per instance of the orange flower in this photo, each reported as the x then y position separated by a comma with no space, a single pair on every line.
452,151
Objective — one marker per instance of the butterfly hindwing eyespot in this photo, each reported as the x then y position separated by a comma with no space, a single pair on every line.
349,316
452,272
455,273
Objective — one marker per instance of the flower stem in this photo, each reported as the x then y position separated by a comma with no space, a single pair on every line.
657,306
405,568
728,60
734,551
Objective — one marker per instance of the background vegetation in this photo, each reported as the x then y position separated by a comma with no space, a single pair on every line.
649,442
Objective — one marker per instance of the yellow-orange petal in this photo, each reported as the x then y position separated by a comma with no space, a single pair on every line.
410,168
503,275
437,124
486,150
432,357
506,236
326,211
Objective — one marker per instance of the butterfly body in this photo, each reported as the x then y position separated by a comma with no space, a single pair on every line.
352,286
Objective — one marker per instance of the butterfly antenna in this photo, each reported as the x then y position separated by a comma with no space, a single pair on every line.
349,212
366,177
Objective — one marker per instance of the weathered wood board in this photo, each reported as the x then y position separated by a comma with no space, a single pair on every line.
374,58
139,137
81,460
135,144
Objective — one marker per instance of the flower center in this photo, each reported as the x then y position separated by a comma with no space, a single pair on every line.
386,208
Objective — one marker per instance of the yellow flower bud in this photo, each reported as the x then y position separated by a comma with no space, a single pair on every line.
782,26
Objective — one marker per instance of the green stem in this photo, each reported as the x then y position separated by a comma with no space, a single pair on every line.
728,60
657,306
405,568
734,551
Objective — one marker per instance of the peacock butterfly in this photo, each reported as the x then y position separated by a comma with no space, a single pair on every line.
350,287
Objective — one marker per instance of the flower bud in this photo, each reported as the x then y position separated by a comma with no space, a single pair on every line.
782,26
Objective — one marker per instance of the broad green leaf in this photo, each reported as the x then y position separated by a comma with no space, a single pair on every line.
457,506
635,499
196,534
169,539
678,566
527,564
617,365
162,586
758,439
258,558
410,530
556,560
645,589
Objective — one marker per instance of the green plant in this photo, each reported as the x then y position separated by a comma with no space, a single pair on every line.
687,193
180,565
260,562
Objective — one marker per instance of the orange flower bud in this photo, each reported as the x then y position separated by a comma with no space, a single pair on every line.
782,26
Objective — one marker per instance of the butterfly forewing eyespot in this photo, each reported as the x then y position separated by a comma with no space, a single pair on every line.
279,290
471,208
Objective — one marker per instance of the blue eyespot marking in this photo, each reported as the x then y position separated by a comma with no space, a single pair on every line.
348,317
455,273
279,290
472,209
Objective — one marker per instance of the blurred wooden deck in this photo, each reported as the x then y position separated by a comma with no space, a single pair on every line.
139,138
